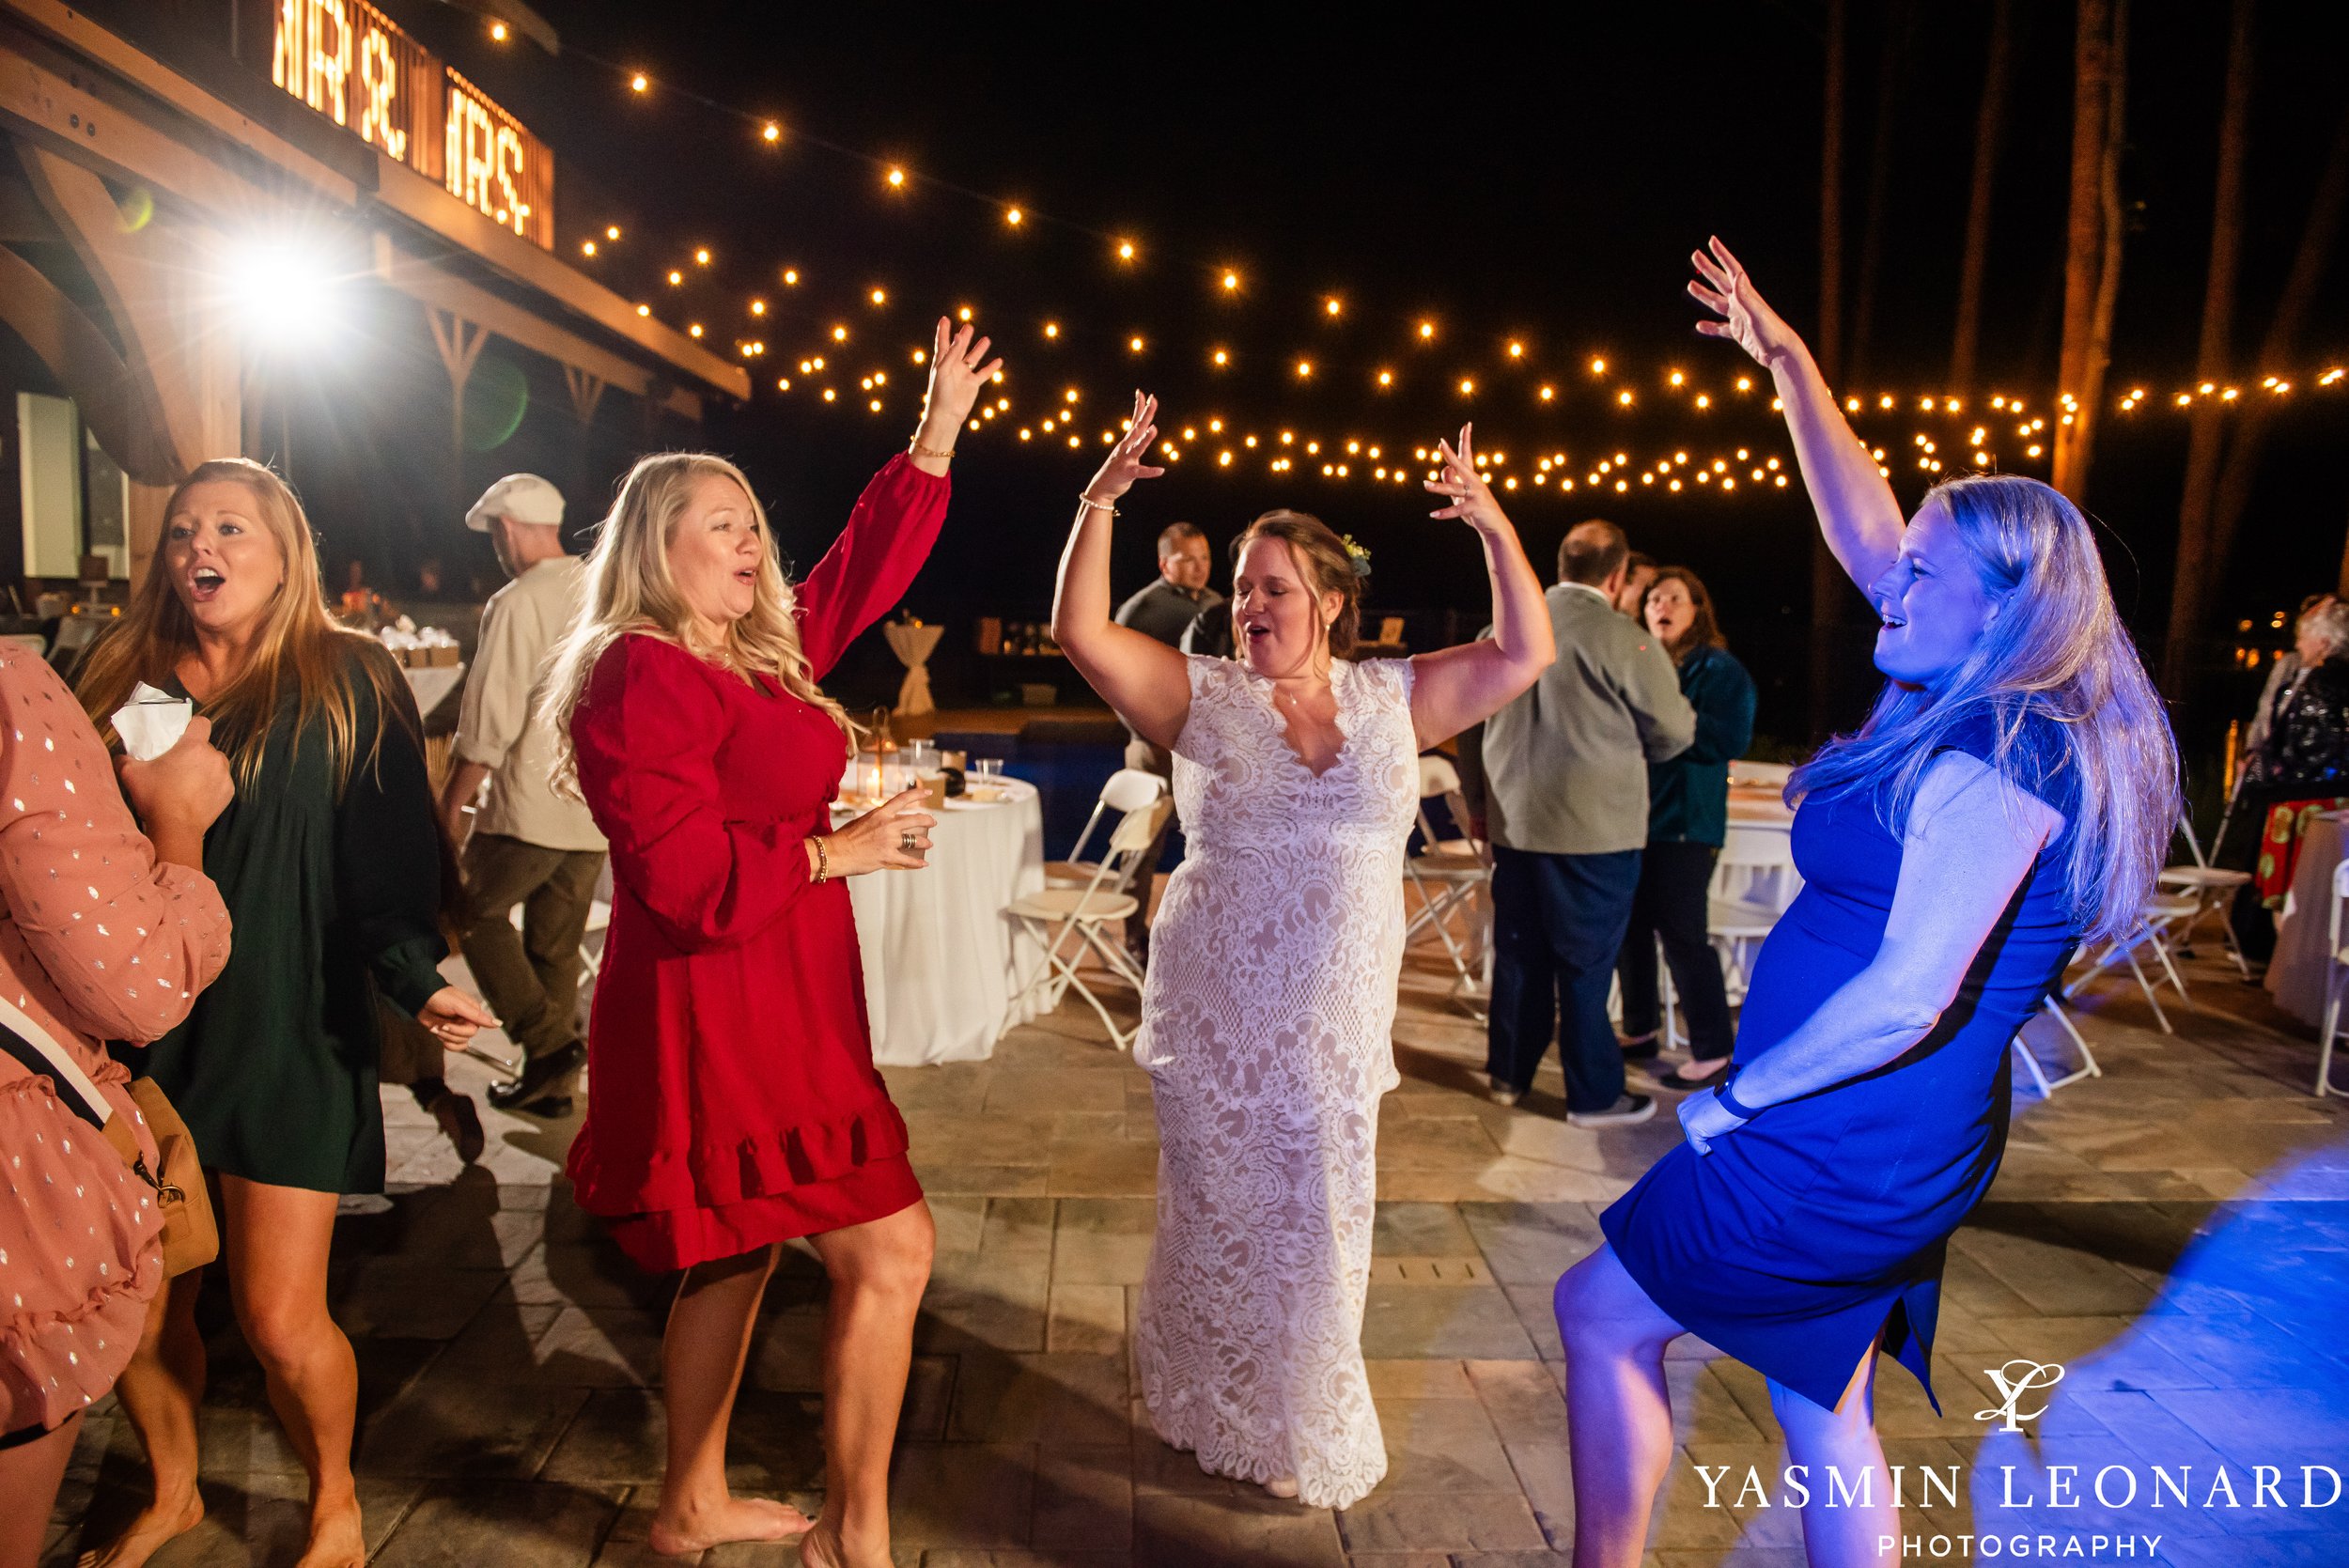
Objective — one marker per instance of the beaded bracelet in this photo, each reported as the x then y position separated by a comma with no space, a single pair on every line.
1097,505
921,451
824,861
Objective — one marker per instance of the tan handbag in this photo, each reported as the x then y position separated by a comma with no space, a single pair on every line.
191,1232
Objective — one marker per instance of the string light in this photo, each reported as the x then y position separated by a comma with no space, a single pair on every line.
1516,350
587,247
1332,305
1124,250
1598,367
791,277
1231,283
1051,329
1426,330
1133,344
771,132
897,180
759,307
498,31
1304,370
612,231
1386,378
701,256
880,296
675,278
1014,217
1222,357
637,83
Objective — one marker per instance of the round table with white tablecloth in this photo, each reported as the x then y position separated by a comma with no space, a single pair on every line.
939,954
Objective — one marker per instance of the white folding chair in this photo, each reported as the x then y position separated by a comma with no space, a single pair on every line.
2211,889
2164,914
1052,916
2087,1068
1128,790
1449,875
2336,980
1745,900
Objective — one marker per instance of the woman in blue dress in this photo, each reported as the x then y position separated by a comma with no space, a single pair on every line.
2011,794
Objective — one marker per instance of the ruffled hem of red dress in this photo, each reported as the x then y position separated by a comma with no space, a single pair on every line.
709,1174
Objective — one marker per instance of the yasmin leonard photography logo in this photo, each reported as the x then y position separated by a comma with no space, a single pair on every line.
2016,1381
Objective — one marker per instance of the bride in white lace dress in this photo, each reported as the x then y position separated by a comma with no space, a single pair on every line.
1273,964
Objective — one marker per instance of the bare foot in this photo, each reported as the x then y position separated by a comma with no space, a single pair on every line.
683,1533
824,1548
157,1524
336,1540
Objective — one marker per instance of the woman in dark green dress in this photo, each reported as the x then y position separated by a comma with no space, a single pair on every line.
329,862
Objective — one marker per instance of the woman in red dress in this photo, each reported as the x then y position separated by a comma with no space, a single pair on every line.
734,1101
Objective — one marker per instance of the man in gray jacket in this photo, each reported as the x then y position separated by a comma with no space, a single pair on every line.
1565,770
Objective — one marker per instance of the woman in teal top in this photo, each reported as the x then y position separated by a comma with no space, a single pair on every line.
329,862
1688,819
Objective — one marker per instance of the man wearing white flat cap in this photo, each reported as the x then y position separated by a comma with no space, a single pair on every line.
527,844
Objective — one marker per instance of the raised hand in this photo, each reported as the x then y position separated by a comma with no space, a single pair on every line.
1472,497
1746,317
958,369
1124,463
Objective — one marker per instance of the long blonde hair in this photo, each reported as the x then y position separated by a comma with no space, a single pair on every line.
2058,652
630,589
298,640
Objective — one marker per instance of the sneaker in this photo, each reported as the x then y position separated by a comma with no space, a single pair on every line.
1622,1113
1504,1094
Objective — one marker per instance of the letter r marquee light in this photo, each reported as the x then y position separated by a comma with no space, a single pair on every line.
353,64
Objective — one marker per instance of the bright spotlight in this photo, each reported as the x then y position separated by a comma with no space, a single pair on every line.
287,291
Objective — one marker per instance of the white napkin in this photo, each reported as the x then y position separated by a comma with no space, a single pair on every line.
152,722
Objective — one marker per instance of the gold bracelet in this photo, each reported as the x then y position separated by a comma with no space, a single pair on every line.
921,451
1097,505
824,861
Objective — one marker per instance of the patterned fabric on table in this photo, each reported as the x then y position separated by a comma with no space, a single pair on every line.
1265,1029
2280,831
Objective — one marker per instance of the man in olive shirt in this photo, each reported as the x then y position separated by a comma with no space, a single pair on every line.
1165,610
1566,793
528,844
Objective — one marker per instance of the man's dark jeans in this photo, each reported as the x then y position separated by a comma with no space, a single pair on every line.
1558,923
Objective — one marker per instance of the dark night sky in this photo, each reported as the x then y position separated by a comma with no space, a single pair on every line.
1509,173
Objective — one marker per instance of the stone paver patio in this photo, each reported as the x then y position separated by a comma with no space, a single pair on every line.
2174,1234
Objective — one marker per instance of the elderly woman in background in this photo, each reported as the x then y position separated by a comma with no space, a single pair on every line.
104,932
1688,819
2299,764
329,859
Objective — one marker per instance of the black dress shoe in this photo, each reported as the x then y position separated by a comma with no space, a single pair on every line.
1682,1080
1642,1050
538,1074
462,1123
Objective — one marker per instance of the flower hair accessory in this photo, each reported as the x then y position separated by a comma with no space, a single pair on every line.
1358,553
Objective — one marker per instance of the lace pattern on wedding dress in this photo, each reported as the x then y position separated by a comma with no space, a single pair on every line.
1265,1027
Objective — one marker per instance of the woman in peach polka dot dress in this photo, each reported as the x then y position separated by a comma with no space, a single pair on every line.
104,932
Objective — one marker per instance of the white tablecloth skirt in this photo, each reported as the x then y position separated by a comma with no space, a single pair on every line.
939,958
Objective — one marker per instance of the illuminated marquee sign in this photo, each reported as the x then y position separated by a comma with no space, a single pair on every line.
352,63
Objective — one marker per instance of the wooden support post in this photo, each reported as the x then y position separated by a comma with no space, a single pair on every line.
586,392
459,342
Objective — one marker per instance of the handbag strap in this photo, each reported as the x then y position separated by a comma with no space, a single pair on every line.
31,1045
